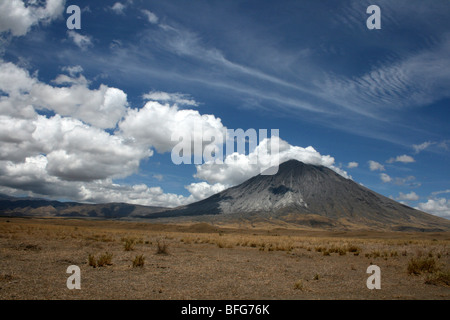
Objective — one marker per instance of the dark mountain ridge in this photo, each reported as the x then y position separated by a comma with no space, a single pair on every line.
10,206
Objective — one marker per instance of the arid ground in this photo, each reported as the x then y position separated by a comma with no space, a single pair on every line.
141,260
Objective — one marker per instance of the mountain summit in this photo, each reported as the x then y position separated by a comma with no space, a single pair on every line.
311,195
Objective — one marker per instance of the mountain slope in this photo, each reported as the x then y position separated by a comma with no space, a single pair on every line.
311,195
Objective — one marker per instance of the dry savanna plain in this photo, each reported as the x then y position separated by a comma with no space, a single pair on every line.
141,260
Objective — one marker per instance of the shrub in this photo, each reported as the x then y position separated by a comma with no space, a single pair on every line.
161,247
139,261
105,260
298,285
353,248
373,254
91,261
224,244
438,278
129,244
29,247
419,265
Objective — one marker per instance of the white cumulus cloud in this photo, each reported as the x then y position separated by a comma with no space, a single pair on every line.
237,167
436,206
403,158
118,8
173,98
105,191
151,17
374,166
385,178
202,190
102,107
82,41
412,196
18,19
352,165
156,124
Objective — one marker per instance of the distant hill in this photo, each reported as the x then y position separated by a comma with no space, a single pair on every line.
10,206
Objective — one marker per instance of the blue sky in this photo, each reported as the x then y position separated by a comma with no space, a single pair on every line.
87,114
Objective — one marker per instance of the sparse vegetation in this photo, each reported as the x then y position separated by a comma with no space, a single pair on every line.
298,285
6,277
91,261
105,260
373,254
353,249
190,269
224,244
138,261
29,247
421,265
439,278
161,247
129,244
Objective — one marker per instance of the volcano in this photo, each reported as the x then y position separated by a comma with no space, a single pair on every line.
310,195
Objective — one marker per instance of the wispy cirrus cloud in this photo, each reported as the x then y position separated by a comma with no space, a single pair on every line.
151,17
400,181
412,81
435,193
421,147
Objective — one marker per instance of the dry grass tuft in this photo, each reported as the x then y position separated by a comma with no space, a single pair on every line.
139,261
129,244
422,264
104,260
299,285
439,278
161,247
91,261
